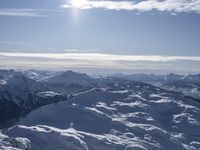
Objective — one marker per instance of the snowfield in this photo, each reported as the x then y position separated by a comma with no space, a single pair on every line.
73,111
115,120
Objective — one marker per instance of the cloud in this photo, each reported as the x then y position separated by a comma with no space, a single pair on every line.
78,51
22,12
101,57
99,62
172,6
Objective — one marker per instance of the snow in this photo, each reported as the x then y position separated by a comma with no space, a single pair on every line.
104,105
78,138
131,104
86,91
195,144
185,117
3,82
136,95
121,92
187,107
72,78
155,95
131,122
163,100
61,138
18,143
117,118
34,128
73,104
48,94
23,143
94,110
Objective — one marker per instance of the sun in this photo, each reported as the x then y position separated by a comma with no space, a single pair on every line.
75,6
80,4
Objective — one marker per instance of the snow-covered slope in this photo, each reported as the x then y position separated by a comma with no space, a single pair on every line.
188,85
20,94
24,84
110,113
39,75
10,143
71,82
125,116
22,91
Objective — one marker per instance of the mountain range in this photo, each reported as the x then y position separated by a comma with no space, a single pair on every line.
69,110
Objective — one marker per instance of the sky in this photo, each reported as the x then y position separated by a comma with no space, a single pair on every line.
128,36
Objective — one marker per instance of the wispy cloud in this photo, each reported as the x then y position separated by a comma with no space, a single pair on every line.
22,12
78,51
172,6
101,57
99,61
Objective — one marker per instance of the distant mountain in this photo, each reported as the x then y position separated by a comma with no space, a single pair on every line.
39,75
142,77
71,82
70,77
9,73
173,77
193,78
24,83
188,85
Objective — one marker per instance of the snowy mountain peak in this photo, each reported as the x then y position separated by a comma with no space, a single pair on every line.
70,76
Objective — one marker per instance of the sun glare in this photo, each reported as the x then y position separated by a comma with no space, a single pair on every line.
76,11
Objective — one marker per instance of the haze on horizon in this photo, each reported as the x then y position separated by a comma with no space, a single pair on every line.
96,36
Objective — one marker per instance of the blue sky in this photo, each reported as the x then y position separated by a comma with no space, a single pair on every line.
168,29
